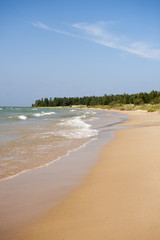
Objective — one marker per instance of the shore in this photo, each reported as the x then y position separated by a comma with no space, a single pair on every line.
120,197
28,195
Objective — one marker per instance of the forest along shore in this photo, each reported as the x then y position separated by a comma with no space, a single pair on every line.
119,199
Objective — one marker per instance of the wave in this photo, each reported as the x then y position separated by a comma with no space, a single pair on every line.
22,117
76,128
30,115
43,114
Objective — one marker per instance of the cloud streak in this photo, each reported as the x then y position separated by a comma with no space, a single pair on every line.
100,34
46,27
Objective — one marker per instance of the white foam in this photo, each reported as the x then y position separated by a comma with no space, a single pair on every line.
76,128
43,114
1,108
22,117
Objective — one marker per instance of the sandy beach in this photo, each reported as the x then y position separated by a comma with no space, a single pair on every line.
120,197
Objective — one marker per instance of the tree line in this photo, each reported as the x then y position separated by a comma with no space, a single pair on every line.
137,99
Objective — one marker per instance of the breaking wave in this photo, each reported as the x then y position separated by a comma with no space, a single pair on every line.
76,128
43,114
22,117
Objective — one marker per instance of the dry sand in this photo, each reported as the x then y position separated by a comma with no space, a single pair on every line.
120,198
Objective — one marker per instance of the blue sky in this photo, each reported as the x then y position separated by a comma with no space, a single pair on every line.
77,48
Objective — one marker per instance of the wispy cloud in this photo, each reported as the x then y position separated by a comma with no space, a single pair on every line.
100,34
46,27
42,26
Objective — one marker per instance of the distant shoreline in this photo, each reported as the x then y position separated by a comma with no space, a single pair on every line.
118,107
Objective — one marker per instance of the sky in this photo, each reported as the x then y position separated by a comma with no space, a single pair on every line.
58,48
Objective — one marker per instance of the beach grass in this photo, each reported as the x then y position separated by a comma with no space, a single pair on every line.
131,107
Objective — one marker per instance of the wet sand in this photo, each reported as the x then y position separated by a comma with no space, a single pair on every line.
120,198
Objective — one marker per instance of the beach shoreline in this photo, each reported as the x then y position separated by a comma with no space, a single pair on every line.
119,199
29,195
